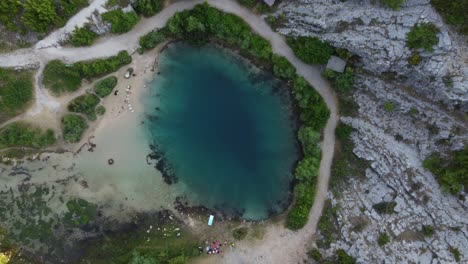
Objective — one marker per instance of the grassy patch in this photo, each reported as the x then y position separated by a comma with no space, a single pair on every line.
16,91
328,225
61,78
240,233
20,134
73,127
393,4
389,106
414,59
383,239
456,253
423,36
452,172
105,86
85,104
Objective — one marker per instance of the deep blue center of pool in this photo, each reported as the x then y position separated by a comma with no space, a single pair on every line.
225,128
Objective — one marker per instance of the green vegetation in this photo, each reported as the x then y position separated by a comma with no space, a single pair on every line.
82,37
427,230
342,82
37,15
311,49
316,255
414,59
454,12
16,91
282,68
152,39
456,253
80,213
413,111
389,106
120,22
60,77
240,233
393,4
385,207
328,225
383,239
20,134
422,35
148,7
85,104
452,172
344,258
73,127
100,110
105,86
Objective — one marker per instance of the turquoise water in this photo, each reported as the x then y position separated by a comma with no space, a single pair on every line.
225,129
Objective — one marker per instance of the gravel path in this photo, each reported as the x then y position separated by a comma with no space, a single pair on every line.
279,245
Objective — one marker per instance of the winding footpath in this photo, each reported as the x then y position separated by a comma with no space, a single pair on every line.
279,244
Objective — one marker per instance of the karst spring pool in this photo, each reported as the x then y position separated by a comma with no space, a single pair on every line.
225,128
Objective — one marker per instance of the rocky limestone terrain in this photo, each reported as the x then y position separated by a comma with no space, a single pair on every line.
429,104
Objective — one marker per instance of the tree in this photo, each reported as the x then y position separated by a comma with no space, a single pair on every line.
422,35
39,15
148,7
73,127
282,68
311,49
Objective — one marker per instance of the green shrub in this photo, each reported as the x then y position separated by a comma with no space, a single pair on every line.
82,37
80,213
454,12
413,111
152,39
427,230
311,49
383,239
105,86
282,68
100,110
385,207
310,139
344,258
39,15
414,59
240,233
456,253
451,173
389,107
422,35
20,134
60,77
148,7
393,4
342,82
120,22
85,104
315,254
16,90
73,127
9,9
343,131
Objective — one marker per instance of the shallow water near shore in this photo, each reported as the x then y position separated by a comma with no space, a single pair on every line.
224,128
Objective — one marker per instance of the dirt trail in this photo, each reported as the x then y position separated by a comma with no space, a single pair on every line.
279,245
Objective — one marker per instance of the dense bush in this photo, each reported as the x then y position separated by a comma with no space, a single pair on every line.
451,173
73,127
314,112
60,77
311,49
282,68
152,39
20,134
148,7
393,4
454,12
9,9
85,104
100,110
385,207
39,15
82,37
16,90
342,82
120,22
105,86
422,35
383,239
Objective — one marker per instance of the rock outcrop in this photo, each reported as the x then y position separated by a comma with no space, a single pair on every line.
428,113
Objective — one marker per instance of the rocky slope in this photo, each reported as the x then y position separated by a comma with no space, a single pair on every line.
429,104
